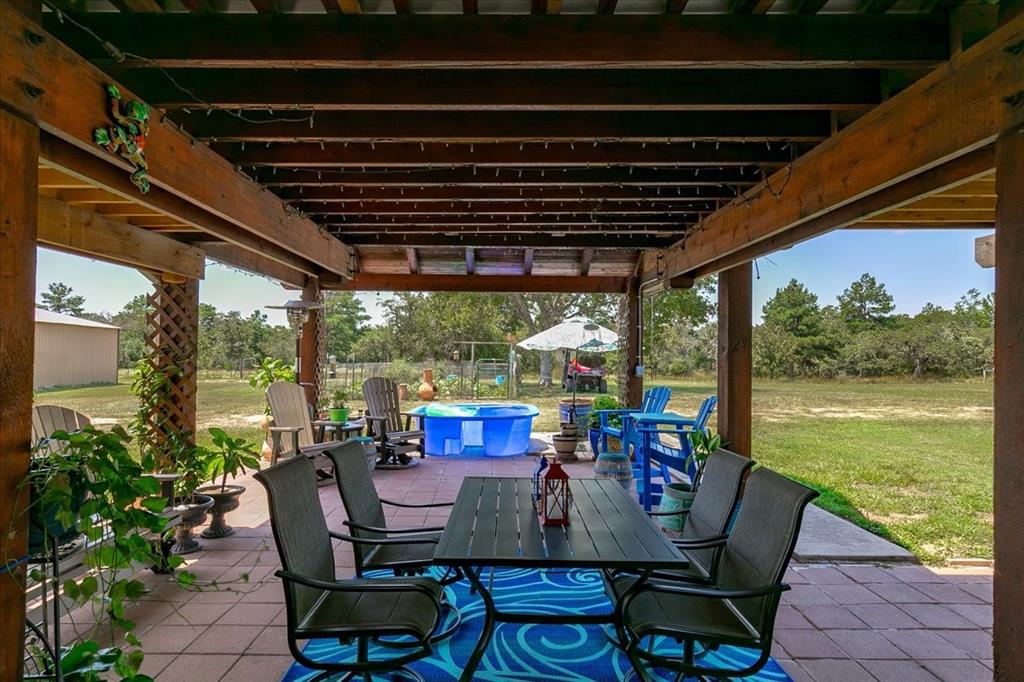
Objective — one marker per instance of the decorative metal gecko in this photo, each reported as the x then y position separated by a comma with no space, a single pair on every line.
126,136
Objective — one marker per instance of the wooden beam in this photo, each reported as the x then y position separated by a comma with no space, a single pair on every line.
952,111
510,210
807,6
649,178
413,258
565,240
67,97
77,163
874,6
250,261
18,159
478,196
503,222
265,6
307,357
470,260
735,364
939,179
457,41
507,126
486,283
517,155
75,230
1008,465
750,6
402,6
528,261
586,258
470,7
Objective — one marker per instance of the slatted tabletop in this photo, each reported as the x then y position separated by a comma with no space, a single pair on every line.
494,523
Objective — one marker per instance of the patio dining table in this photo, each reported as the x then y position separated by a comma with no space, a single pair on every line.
494,523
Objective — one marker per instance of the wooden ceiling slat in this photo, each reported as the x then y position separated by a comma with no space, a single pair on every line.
509,208
300,40
513,126
486,283
309,197
540,239
371,221
515,155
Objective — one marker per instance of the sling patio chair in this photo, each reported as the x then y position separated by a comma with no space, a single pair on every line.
291,415
738,608
409,551
319,606
395,438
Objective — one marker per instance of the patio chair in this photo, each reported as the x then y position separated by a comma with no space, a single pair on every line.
292,417
318,605
395,439
48,419
666,456
409,551
739,607
655,400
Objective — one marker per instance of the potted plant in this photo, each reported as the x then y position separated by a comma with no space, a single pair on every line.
269,370
702,444
191,464
228,456
337,410
604,402
120,516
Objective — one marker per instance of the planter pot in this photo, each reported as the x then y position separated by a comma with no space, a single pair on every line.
583,408
223,502
595,440
338,414
192,514
565,447
266,449
403,391
616,466
675,497
570,430
426,390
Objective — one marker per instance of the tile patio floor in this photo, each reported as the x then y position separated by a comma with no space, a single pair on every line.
839,623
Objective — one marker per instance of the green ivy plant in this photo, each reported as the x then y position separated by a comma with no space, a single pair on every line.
269,371
702,444
229,456
120,517
605,402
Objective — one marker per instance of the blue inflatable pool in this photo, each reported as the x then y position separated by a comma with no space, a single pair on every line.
472,429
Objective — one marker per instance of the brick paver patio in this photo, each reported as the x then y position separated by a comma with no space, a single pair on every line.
839,622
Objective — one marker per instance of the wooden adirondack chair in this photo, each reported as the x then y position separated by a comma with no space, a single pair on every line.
395,438
48,419
292,417
655,400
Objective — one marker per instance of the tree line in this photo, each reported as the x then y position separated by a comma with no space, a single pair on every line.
859,335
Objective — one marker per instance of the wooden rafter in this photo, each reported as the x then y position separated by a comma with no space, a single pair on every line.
69,100
701,41
528,261
411,256
253,262
954,110
586,258
69,228
512,209
307,197
470,260
562,240
487,283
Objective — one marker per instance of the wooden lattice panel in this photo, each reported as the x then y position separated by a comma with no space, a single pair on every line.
172,345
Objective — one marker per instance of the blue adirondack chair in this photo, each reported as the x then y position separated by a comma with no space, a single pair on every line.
655,400
648,429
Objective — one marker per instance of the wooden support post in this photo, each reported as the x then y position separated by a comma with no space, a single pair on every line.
172,340
310,361
735,366
1008,466
633,385
18,176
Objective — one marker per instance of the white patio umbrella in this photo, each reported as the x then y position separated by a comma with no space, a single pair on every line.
579,333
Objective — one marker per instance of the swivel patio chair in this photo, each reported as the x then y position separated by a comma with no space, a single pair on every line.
408,551
318,605
739,607
395,439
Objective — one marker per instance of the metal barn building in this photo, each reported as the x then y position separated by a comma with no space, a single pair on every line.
71,351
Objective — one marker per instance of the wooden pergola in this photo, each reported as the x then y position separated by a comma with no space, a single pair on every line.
585,147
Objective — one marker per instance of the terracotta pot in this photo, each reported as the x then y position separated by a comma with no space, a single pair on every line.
403,391
426,390
223,502
565,447
266,449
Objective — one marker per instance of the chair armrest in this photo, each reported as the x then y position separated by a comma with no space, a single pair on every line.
626,410
374,529
678,512
382,541
374,418
702,543
417,505
715,593
285,429
358,585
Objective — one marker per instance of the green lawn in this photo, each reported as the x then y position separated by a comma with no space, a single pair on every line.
911,461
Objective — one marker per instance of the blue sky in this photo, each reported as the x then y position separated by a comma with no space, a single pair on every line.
917,267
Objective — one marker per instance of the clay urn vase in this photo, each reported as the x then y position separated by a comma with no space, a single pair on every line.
426,390
403,391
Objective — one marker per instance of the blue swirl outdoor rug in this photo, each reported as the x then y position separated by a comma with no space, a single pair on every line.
531,652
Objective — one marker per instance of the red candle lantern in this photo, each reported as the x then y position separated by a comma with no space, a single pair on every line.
555,496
